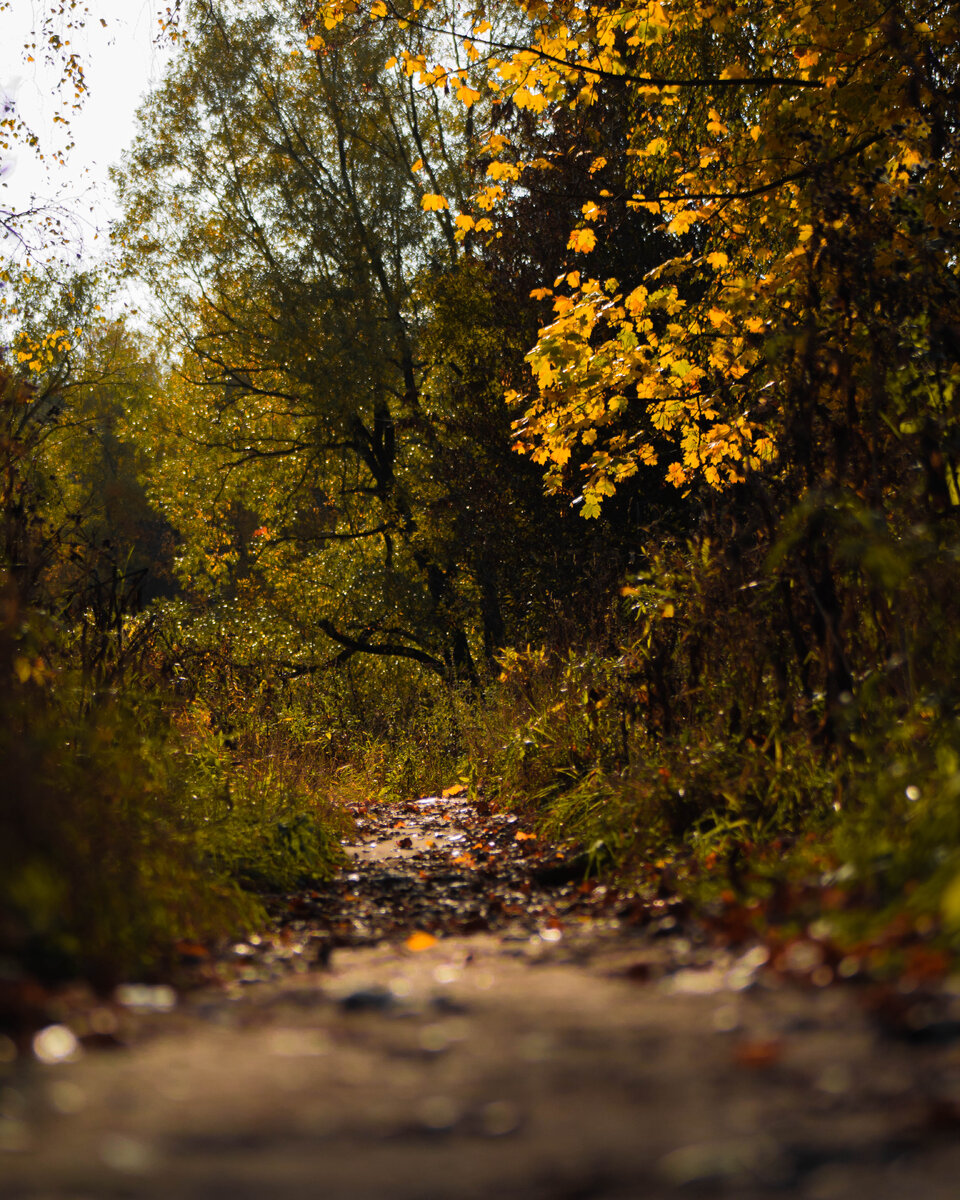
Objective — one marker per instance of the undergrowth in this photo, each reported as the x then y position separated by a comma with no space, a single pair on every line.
763,754
753,762
132,824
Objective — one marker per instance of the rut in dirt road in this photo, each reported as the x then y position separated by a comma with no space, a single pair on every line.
464,1014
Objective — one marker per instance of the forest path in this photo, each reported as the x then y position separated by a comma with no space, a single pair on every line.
458,1015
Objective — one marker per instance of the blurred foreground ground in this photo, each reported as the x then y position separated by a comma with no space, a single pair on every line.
458,1018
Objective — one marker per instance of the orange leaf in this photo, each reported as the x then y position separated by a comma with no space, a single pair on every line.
420,941
682,222
191,950
525,837
758,1054
582,241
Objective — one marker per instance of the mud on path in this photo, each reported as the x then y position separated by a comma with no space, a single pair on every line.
460,1015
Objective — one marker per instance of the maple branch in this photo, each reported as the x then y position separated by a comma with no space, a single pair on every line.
386,649
330,535
792,177
582,68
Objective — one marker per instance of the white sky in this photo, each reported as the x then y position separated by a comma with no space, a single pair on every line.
121,62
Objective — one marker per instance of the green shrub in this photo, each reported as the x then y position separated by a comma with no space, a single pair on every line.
129,823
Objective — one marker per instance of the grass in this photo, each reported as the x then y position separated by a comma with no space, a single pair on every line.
130,827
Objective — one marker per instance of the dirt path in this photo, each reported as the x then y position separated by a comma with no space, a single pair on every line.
554,1041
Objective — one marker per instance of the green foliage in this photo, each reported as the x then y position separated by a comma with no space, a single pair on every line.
131,825
100,873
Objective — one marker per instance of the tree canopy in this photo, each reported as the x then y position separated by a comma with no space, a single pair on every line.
278,202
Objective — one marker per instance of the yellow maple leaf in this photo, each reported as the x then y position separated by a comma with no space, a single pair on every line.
718,260
467,96
656,15
682,222
524,98
502,170
718,318
433,203
582,241
676,475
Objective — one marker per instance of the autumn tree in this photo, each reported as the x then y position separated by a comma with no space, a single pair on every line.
289,207
791,357
81,544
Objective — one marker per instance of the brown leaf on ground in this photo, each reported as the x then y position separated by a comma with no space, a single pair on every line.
191,951
758,1054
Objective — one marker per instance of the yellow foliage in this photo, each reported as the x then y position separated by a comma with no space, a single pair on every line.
818,101
682,222
582,241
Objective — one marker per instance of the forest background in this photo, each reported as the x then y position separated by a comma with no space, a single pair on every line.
555,399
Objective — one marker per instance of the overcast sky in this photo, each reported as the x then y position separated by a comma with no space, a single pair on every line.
122,60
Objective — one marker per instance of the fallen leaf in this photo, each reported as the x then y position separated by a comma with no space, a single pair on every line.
525,837
191,950
420,941
758,1054
405,843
